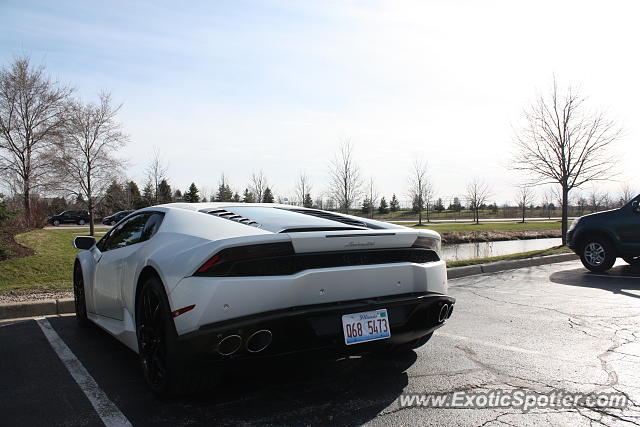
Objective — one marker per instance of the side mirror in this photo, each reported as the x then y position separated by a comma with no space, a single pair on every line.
635,207
84,242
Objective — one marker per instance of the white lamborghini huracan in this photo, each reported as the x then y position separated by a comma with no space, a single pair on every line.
192,285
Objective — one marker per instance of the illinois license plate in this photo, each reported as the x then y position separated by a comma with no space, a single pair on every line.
366,326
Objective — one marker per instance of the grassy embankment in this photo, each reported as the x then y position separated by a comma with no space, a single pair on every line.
489,227
522,255
48,269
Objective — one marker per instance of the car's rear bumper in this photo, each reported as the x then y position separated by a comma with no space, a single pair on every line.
317,329
222,299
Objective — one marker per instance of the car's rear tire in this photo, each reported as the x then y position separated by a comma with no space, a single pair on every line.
634,261
597,254
79,296
164,371
81,222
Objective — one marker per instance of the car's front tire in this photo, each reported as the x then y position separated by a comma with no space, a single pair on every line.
56,222
113,223
597,254
79,295
81,222
633,261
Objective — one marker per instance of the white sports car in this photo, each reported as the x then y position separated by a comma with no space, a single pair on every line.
193,285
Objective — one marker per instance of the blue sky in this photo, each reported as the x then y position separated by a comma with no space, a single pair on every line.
241,86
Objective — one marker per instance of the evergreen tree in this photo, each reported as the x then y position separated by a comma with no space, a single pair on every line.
224,193
268,196
384,208
191,195
147,194
115,198
366,206
177,196
395,205
236,197
308,201
134,199
204,200
248,196
164,192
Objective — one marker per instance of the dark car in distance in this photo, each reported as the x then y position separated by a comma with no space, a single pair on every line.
115,218
600,238
69,217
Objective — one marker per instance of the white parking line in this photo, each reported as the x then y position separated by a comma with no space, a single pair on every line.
105,408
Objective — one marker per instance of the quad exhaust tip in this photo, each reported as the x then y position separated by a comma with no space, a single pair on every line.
450,311
229,345
259,340
444,310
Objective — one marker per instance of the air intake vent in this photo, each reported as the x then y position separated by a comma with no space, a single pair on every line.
330,216
223,213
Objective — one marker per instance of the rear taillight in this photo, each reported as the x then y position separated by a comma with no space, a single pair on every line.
227,259
427,242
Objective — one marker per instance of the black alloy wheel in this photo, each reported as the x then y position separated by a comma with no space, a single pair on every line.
79,296
152,337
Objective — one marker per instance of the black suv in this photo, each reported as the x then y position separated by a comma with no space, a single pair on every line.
115,218
601,237
69,217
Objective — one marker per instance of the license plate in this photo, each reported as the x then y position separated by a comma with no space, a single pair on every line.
366,326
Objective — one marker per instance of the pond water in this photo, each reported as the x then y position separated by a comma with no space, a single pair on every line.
461,251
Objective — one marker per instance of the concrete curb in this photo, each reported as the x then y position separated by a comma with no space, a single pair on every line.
45,307
495,267
66,305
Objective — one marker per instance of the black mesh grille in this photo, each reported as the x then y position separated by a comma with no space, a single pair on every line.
291,264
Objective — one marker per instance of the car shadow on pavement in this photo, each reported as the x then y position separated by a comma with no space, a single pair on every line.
618,280
283,392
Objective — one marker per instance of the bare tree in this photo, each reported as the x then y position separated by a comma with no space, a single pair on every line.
547,201
84,158
524,197
156,172
258,185
344,173
303,188
372,196
626,194
477,195
420,188
32,111
595,200
562,143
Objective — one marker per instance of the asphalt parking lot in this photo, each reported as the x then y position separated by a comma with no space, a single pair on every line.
554,327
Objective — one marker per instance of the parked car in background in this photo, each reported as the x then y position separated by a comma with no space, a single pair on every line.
115,218
602,237
69,217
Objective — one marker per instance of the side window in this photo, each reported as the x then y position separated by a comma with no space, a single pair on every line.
125,234
152,225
